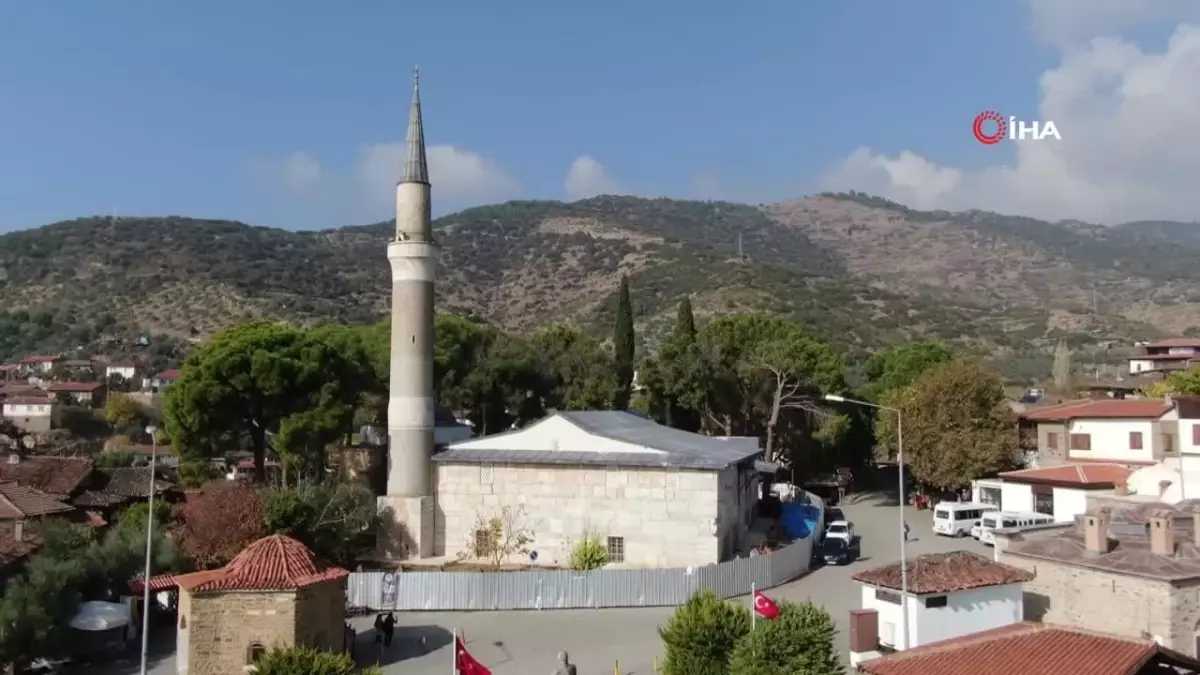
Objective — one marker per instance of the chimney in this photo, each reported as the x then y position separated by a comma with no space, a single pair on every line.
864,635
1162,532
1095,530
19,530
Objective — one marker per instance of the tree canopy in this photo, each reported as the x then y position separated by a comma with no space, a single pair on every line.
956,424
799,640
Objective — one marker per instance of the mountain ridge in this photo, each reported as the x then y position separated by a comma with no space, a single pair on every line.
858,270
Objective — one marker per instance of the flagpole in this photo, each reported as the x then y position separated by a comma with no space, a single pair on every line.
753,605
454,653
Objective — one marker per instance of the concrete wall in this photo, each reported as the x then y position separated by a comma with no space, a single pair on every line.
667,518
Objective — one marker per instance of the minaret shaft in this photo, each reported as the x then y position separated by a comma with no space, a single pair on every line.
413,257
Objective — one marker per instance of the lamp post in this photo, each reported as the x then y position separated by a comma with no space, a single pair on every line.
150,429
903,537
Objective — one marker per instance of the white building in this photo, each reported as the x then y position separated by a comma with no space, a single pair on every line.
950,595
31,413
656,496
1058,491
126,369
1133,432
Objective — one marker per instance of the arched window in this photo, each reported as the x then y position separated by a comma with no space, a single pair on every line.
253,652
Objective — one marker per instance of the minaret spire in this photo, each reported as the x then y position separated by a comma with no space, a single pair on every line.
415,168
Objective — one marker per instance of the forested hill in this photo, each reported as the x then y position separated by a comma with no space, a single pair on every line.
856,270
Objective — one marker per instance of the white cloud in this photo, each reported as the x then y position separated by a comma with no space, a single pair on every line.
1065,22
298,172
457,175
1127,119
588,178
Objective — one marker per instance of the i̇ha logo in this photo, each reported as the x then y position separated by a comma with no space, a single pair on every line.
990,128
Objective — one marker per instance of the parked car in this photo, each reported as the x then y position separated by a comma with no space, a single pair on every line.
840,529
837,551
833,514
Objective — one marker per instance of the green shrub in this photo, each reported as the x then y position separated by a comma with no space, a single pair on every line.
589,554
800,640
306,661
700,637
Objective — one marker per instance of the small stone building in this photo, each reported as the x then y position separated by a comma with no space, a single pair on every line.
273,594
1132,571
654,495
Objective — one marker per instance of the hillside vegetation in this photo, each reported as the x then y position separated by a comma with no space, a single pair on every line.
858,271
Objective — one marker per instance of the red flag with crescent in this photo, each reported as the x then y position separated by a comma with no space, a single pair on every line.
465,663
764,606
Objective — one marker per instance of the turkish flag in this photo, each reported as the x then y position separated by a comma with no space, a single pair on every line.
764,606
465,663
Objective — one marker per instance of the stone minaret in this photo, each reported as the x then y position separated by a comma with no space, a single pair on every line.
407,508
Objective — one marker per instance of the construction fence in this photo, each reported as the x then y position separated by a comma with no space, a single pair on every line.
568,589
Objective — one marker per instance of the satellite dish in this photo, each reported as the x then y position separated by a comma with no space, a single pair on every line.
29,442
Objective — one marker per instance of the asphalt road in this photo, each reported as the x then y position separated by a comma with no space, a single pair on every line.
518,643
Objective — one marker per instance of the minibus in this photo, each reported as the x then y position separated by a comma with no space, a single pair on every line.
955,519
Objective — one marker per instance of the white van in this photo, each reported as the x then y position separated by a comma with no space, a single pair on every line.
955,519
1002,519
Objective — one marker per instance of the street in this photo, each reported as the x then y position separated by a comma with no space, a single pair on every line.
515,643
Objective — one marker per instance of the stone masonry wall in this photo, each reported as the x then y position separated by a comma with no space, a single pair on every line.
222,626
321,615
1070,595
666,517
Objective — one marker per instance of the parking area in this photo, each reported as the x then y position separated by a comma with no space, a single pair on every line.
512,643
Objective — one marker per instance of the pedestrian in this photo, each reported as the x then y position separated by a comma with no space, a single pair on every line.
906,530
389,627
379,628
565,667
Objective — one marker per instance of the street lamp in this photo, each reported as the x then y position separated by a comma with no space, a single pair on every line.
903,537
151,430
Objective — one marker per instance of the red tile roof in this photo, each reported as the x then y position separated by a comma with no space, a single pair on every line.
56,475
169,374
13,550
274,563
18,502
37,358
1093,409
944,573
158,583
1098,475
29,400
75,386
1025,648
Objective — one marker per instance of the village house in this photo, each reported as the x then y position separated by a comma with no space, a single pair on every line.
33,413
1026,648
1165,356
656,496
79,368
949,595
163,380
1132,432
108,490
275,593
1060,491
1132,571
126,370
9,373
20,508
88,394
61,477
39,364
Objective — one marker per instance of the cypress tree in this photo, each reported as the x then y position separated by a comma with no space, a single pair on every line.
685,323
623,346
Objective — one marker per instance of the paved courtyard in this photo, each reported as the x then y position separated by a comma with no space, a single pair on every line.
512,643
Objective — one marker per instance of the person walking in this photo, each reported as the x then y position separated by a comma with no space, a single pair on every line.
906,530
379,628
389,627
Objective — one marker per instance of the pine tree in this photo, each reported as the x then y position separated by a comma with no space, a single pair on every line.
702,635
800,640
623,346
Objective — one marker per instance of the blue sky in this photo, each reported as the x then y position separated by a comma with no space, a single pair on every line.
282,113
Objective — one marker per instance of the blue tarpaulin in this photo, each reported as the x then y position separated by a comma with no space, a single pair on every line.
799,520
